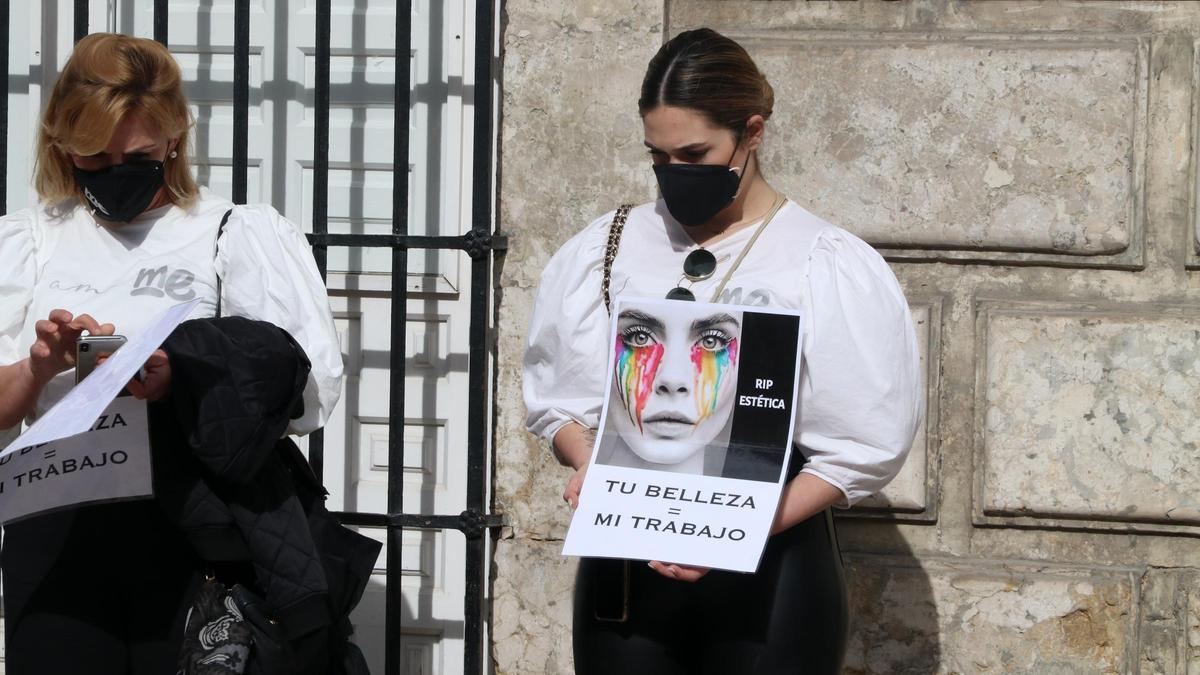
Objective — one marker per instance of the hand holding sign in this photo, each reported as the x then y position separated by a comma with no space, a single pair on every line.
688,573
575,486
155,380
573,447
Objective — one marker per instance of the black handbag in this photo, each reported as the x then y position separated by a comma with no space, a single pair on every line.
229,632
217,637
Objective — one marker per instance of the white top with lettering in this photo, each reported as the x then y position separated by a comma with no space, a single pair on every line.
861,394
125,274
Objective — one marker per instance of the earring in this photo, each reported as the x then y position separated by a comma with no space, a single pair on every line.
174,154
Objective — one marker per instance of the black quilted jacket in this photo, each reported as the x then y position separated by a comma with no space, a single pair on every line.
227,480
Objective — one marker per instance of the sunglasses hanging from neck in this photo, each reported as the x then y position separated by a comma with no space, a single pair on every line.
700,264
697,266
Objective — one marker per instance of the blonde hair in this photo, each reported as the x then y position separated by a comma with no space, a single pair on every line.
107,77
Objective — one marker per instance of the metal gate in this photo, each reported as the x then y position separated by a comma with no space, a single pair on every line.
482,242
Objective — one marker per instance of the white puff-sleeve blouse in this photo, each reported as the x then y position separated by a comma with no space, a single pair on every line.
17,265
268,273
861,391
54,257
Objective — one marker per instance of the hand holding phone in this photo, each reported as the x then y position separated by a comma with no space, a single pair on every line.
53,350
90,349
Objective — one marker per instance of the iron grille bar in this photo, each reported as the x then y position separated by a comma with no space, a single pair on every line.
81,20
320,224
4,19
394,607
471,243
160,21
478,365
241,99
320,205
471,523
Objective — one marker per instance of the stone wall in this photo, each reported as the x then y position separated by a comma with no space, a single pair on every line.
1027,168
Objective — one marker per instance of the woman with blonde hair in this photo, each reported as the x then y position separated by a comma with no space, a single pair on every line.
121,231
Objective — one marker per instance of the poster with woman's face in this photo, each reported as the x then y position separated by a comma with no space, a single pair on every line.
672,389
697,424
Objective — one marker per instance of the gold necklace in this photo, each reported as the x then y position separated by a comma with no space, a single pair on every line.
780,200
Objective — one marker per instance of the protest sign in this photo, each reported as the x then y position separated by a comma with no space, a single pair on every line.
695,434
110,461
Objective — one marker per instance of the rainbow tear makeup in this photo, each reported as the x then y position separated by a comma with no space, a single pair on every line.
636,370
711,367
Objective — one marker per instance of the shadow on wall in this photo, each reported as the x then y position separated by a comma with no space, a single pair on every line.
894,627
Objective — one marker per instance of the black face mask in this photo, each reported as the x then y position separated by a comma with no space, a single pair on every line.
123,191
694,193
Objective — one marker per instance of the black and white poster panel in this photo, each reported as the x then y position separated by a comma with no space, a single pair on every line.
695,434
109,462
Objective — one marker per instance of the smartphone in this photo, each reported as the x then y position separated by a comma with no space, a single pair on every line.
90,348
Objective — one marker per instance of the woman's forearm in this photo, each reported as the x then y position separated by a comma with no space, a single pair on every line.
573,445
803,497
19,390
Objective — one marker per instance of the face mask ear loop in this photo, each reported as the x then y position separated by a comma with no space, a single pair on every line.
741,173
729,164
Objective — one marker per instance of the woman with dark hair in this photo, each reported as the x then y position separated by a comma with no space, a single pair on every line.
721,233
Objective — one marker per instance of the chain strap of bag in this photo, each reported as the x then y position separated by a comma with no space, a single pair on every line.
612,574
610,250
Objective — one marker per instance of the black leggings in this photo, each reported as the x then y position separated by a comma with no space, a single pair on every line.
789,617
109,600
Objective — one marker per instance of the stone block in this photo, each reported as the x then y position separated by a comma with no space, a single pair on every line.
731,15
1001,149
1193,261
531,614
971,616
1169,622
570,134
1087,413
912,495
1103,17
1095,17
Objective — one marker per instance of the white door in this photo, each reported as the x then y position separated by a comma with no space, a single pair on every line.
282,119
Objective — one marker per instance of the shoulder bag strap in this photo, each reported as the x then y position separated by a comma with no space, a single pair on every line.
613,574
610,250
220,231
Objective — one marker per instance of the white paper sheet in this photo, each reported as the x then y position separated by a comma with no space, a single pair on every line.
78,411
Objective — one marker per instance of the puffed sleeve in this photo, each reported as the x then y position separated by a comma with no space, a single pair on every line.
565,352
18,272
268,273
861,388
